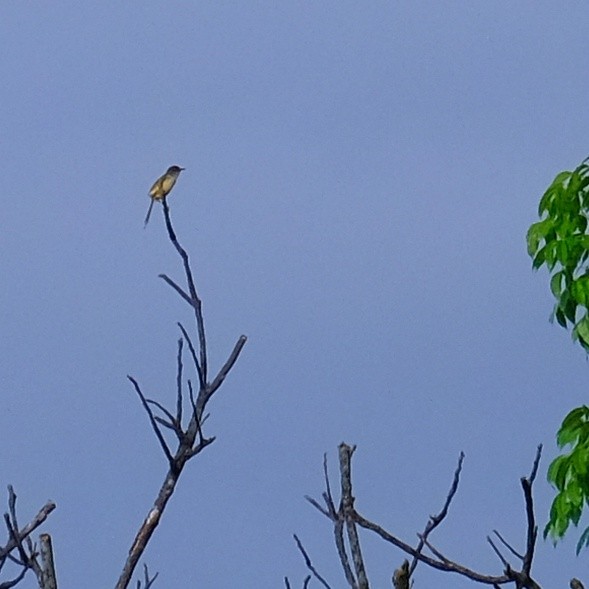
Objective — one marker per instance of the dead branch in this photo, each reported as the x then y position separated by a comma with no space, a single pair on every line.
435,520
347,509
190,437
348,515
27,556
46,551
148,581
310,564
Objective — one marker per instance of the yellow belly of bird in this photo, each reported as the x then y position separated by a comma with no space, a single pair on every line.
162,187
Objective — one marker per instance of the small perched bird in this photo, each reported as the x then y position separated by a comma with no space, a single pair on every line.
401,576
162,187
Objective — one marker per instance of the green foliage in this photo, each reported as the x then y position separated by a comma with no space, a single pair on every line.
560,242
569,473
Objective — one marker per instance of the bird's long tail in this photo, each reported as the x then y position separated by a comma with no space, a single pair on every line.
148,213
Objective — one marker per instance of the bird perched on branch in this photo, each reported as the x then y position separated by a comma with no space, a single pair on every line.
162,187
401,576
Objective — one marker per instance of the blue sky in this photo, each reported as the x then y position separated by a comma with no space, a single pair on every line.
359,181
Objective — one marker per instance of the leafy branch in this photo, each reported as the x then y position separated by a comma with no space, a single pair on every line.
560,241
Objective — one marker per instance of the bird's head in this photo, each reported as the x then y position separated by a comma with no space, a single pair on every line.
174,170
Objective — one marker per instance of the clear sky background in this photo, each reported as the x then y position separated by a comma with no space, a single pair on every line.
359,181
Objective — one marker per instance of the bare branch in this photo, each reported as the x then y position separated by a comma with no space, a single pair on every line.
27,561
226,368
46,551
197,365
337,518
41,516
310,564
532,533
338,533
446,565
170,417
151,521
201,446
347,508
534,472
148,582
154,425
196,302
15,581
170,423
434,550
508,546
179,369
327,496
177,288
187,447
316,505
497,552
436,520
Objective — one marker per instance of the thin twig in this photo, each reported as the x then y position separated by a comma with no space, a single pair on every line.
177,288
507,545
446,565
437,553
497,552
309,564
532,532
328,497
171,418
226,368
41,516
179,369
317,506
197,365
534,472
12,533
152,420
148,582
14,582
435,520
196,302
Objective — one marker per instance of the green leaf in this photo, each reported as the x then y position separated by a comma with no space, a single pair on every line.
556,284
558,471
550,254
562,252
574,514
570,309
539,259
580,465
558,313
582,329
583,541
575,418
547,200
579,290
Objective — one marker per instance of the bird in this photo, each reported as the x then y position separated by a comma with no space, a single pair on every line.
162,187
